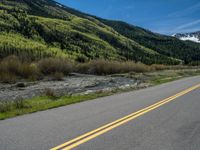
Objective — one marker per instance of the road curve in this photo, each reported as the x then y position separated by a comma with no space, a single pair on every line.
172,126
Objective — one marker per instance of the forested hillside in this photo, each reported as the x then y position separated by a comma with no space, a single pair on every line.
35,29
166,45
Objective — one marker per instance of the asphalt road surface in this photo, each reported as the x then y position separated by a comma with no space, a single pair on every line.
164,117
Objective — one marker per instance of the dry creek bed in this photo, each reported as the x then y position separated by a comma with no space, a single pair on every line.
75,84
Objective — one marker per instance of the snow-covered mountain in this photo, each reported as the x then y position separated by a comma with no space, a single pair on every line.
195,36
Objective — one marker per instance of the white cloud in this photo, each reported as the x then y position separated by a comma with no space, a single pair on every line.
186,11
188,25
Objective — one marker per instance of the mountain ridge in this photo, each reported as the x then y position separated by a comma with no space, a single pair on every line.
192,36
57,30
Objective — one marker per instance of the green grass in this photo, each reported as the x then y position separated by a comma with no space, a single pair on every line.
17,44
172,76
161,80
44,103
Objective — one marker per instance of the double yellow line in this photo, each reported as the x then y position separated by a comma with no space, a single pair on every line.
99,131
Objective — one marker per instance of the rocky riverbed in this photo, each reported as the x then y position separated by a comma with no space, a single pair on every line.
75,84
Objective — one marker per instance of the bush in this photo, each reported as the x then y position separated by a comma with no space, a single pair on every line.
19,103
99,67
21,85
5,107
135,67
50,93
82,59
59,76
10,64
53,65
11,68
158,67
104,67
7,77
28,70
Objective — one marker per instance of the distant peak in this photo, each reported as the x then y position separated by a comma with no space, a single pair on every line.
194,36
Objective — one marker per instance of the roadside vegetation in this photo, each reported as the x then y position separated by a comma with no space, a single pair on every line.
20,107
12,68
50,100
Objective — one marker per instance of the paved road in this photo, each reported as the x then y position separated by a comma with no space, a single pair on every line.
173,126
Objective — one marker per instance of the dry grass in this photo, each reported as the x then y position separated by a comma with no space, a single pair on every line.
103,67
50,93
7,77
28,70
52,65
58,76
12,68
10,64
158,67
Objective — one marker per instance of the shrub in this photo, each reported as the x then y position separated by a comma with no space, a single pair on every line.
158,67
82,59
11,68
53,65
10,64
104,67
19,103
21,85
50,93
59,76
134,67
28,70
7,77
100,67
5,107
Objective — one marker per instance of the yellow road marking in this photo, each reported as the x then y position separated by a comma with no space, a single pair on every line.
99,131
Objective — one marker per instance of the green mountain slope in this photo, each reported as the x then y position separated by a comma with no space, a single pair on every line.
33,29
166,45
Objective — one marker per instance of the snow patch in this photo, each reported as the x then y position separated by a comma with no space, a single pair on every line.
59,5
174,35
190,38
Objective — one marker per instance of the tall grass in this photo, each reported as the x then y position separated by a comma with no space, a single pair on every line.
104,67
12,68
55,65
7,106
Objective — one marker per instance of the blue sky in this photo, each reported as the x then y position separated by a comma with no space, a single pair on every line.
162,16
